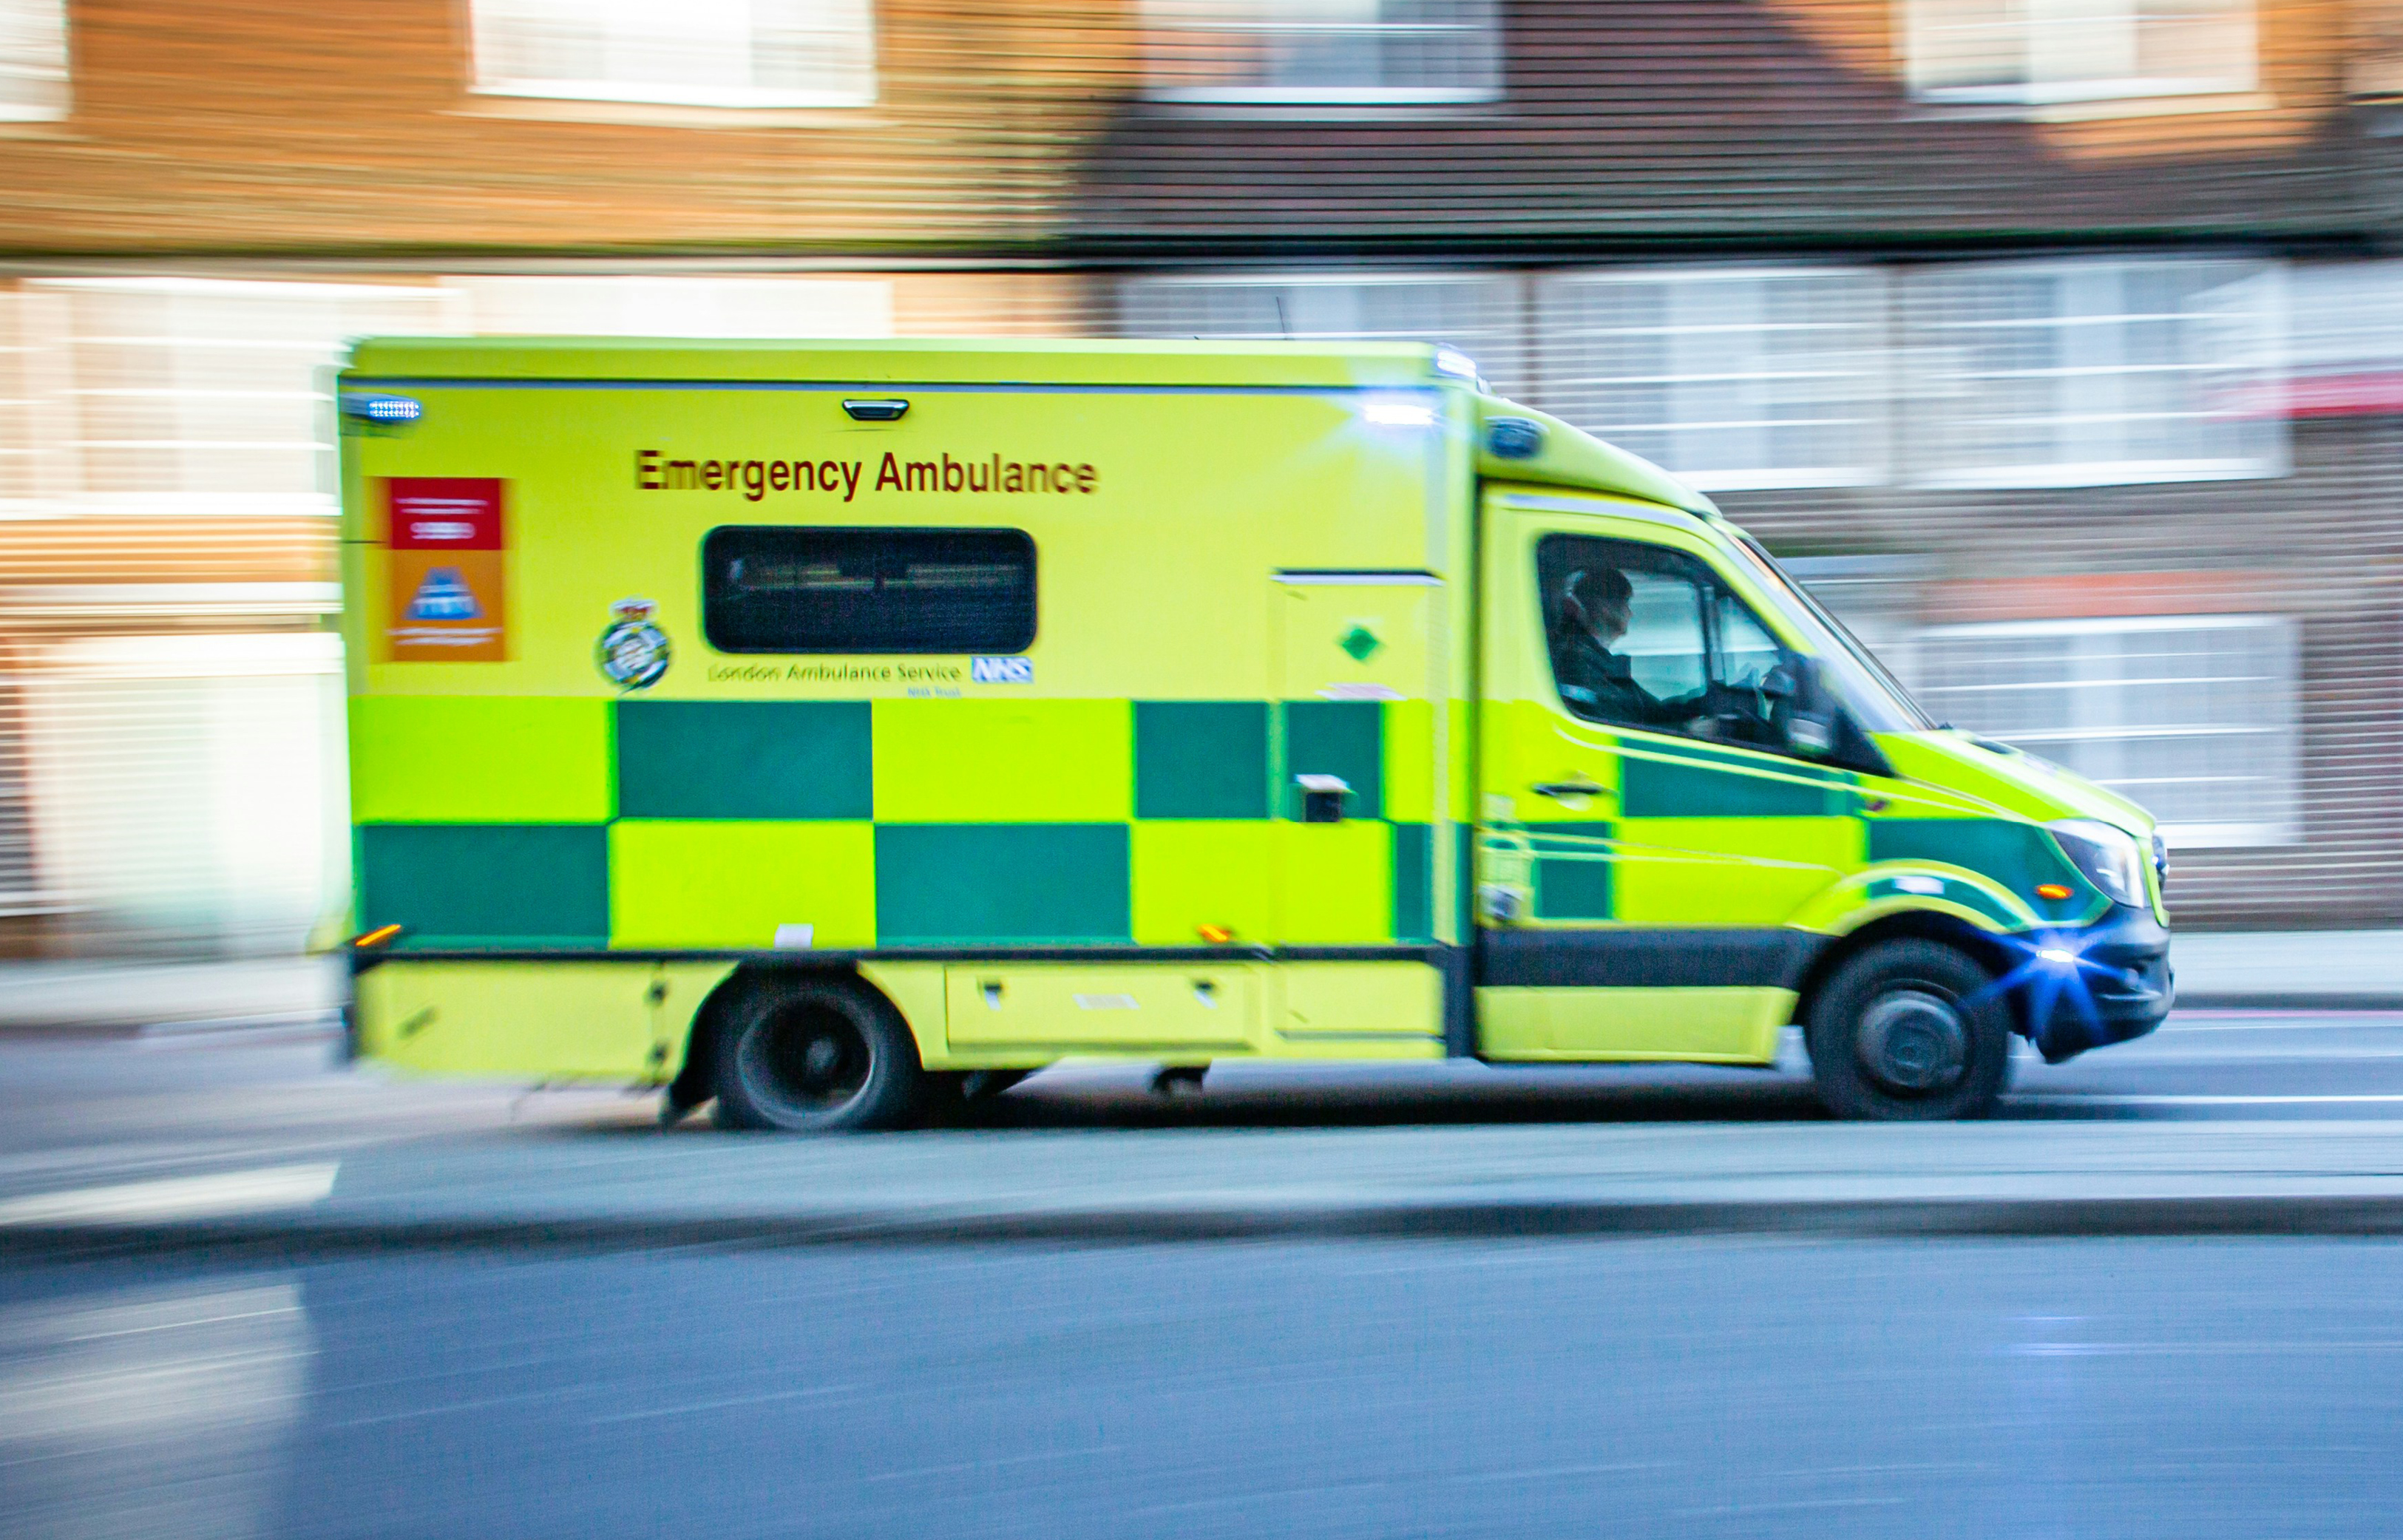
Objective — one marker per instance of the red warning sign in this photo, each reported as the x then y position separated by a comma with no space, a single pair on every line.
445,547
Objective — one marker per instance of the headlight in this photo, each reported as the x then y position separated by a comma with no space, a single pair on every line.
2108,856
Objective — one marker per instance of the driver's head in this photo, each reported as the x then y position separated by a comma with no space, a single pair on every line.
1603,597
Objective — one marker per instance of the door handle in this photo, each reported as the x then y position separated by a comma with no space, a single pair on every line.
1566,788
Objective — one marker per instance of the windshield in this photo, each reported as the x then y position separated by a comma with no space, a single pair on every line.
1876,698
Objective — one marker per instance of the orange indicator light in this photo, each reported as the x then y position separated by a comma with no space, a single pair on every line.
2051,890
377,937
1215,935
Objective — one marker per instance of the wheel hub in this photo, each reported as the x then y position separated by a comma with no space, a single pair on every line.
809,1062
1913,1041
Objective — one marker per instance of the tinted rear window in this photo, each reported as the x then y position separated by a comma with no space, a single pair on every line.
778,588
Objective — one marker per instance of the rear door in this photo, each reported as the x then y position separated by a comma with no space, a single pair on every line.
1644,833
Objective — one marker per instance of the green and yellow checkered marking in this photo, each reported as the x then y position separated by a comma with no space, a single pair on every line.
657,824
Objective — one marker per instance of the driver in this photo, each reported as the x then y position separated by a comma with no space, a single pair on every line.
1595,608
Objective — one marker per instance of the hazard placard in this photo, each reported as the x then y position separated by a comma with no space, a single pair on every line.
447,545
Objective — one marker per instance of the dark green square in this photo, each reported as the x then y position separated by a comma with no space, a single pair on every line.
1572,871
1342,738
745,759
1201,759
532,885
987,884
1413,883
1689,788
2017,856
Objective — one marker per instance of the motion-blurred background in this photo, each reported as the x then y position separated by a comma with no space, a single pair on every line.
2049,340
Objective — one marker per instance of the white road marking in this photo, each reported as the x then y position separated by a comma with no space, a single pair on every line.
2101,1099
216,1196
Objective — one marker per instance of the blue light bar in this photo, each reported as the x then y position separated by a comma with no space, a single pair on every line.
383,409
1457,364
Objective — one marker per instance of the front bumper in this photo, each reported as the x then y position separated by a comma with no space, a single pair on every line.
2119,985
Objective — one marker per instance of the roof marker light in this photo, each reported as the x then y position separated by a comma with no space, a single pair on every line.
1455,363
1400,414
1514,437
383,409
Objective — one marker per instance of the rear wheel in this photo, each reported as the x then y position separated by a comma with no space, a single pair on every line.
1910,1029
817,1055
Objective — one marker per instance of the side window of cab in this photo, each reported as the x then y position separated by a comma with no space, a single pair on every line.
1644,637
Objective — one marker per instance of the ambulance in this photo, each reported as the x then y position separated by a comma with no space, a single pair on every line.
834,731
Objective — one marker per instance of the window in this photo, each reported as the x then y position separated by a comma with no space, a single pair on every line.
2087,372
1478,313
1641,637
1325,51
725,54
1732,378
188,788
181,396
33,60
778,588
2015,51
2192,716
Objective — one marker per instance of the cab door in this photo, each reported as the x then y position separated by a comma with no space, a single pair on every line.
1645,830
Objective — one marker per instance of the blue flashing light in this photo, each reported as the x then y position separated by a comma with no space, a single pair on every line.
383,409
1457,364
1393,413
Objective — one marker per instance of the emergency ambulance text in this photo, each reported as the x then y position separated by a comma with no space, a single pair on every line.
755,478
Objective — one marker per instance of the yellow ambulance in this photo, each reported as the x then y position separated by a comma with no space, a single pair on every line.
833,730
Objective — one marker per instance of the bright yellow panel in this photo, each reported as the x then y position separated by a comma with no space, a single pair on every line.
1195,872
1343,639
1410,761
689,883
1344,1006
554,1020
1708,1025
1135,1008
1338,882
1728,871
479,759
1029,761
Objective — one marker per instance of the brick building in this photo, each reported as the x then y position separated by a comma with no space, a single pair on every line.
2064,356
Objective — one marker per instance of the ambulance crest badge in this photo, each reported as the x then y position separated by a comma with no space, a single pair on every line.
633,652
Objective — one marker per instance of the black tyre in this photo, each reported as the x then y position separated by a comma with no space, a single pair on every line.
816,1055
1910,1029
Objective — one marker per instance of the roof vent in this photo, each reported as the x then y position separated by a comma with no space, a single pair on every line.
876,411
1514,437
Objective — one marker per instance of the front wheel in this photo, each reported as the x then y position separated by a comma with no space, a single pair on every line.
816,1055
1910,1031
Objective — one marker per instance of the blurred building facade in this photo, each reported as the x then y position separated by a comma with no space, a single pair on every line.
2058,345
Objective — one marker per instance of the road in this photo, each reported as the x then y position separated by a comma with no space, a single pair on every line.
1737,1386
2093,1388
81,1110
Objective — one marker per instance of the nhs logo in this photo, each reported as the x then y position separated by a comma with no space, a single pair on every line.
1000,670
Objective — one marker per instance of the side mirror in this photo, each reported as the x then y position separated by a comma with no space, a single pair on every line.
1816,725
1803,706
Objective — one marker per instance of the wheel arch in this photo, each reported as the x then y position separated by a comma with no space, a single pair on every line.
1986,949
696,1079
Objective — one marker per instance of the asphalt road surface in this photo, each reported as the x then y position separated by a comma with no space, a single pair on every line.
80,1110
1672,1388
